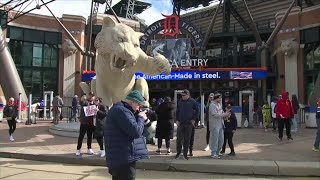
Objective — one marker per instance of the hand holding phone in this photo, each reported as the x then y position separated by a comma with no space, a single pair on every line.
143,114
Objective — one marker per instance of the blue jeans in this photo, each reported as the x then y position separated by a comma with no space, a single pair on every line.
294,123
274,123
317,141
216,139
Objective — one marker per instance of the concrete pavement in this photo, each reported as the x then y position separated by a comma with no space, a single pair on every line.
26,169
258,152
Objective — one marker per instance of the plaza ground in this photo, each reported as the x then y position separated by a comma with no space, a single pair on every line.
258,152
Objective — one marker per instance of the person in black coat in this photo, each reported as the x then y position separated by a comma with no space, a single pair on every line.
10,113
165,123
99,123
230,124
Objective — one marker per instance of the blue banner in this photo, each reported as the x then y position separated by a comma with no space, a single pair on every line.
87,77
197,75
205,75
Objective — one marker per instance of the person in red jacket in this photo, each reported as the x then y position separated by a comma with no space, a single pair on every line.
284,113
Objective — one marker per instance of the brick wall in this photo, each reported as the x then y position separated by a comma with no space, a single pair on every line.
296,21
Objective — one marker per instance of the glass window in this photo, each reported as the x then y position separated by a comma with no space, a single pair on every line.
50,79
27,81
16,51
36,81
46,56
37,55
50,56
52,38
15,33
310,35
33,35
312,58
27,51
3,19
37,62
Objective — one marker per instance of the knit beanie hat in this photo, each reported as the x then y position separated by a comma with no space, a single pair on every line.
136,96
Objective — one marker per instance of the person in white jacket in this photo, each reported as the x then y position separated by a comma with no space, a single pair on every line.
216,125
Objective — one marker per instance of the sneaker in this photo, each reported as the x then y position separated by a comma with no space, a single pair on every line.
158,151
103,153
207,148
11,138
232,154
168,151
290,138
184,158
177,156
215,156
221,152
280,138
78,153
190,154
90,152
315,149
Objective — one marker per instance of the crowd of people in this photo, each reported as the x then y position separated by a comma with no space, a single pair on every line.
282,113
120,130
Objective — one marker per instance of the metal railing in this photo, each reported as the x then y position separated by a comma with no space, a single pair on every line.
64,115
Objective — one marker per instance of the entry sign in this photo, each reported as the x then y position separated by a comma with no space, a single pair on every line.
90,110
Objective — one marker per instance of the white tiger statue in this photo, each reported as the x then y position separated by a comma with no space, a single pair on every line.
119,57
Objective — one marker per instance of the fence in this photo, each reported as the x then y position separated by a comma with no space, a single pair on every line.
38,114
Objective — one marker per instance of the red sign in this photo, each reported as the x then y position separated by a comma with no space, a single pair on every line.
170,25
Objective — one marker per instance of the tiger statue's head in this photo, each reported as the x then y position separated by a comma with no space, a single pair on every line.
289,46
119,43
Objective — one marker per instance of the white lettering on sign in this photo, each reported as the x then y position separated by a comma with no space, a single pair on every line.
90,110
188,62
210,76
181,76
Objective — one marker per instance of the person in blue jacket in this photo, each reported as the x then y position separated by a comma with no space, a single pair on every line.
123,137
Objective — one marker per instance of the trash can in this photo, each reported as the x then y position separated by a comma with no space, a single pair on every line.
1,111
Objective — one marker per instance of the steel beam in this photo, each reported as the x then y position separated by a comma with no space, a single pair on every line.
279,25
209,31
114,13
252,25
89,35
10,80
95,8
16,17
76,44
238,17
226,15
109,4
130,9
176,7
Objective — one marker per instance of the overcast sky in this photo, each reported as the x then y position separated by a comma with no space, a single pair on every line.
82,7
